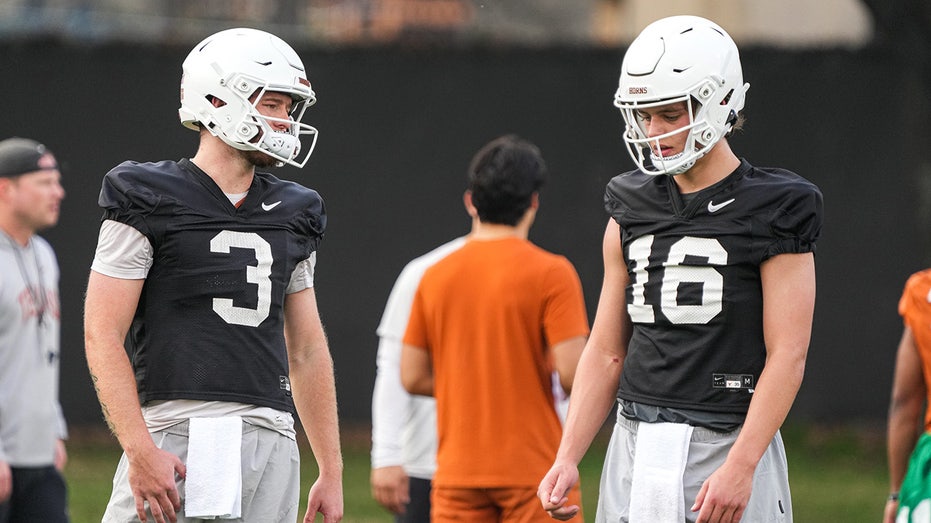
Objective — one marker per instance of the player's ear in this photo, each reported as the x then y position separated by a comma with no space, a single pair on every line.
220,103
469,206
5,184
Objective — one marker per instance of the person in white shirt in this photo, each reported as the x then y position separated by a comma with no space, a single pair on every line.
403,425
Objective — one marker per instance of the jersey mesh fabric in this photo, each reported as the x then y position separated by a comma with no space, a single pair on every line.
487,313
695,295
915,309
209,321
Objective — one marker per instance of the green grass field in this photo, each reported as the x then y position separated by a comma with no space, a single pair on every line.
836,474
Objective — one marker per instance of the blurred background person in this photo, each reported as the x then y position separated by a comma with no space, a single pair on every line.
403,424
909,426
32,427
489,324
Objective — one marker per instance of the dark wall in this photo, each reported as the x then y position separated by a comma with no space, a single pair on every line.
398,128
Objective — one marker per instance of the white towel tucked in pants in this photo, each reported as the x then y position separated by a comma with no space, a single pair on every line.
213,486
659,462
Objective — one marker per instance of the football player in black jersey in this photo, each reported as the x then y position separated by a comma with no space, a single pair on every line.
705,314
204,267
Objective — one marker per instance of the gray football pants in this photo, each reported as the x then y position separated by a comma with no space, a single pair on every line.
270,477
770,499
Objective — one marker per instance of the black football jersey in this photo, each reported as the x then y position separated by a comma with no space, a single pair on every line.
209,324
695,296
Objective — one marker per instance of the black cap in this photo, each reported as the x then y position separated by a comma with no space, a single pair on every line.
21,155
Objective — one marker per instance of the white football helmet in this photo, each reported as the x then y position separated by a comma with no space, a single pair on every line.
238,66
675,59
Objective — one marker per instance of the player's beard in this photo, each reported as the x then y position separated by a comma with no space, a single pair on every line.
259,159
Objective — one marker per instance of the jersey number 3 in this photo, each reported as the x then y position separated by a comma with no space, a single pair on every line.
676,273
258,274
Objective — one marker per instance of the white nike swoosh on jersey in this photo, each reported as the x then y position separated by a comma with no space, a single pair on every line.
270,206
715,208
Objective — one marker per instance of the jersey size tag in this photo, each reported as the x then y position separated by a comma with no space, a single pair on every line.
284,383
733,382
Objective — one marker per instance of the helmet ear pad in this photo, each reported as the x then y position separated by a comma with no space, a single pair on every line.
224,78
681,58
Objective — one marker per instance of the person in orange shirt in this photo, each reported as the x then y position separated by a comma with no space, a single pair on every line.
488,325
909,450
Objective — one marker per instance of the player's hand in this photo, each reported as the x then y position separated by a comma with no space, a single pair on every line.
723,497
325,497
889,513
152,480
6,481
390,488
61,455
554,489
